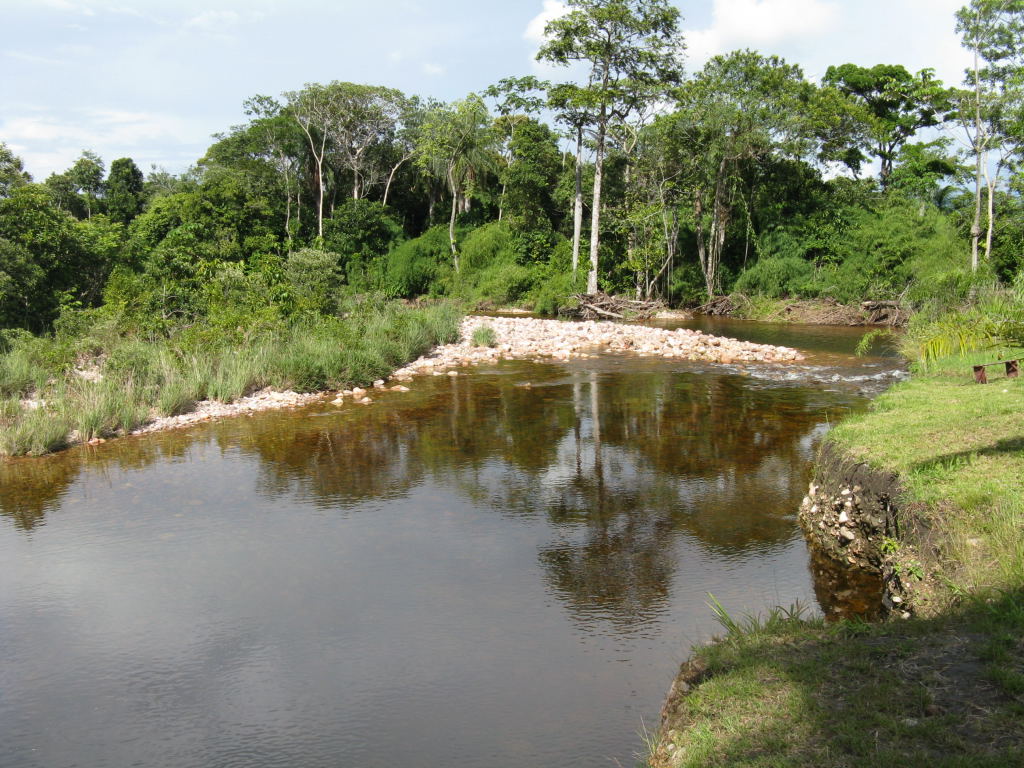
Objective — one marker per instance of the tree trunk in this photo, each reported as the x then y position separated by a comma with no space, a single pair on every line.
451,229
990,189
595,215
320,201
978,148
577,214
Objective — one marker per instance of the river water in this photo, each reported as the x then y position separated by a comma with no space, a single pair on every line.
502,569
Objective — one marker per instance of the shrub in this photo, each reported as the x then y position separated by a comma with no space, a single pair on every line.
313,277
777,277
416,266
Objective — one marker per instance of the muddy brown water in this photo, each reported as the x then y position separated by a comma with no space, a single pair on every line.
503,568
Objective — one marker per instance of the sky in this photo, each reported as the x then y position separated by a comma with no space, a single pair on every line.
155,79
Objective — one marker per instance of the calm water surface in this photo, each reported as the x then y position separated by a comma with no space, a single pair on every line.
499,569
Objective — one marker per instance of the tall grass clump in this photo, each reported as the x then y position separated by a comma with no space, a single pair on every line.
484,336
36,432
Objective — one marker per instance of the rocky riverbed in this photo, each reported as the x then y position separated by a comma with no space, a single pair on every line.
523,338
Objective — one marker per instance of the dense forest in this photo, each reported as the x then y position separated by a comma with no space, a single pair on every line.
633,176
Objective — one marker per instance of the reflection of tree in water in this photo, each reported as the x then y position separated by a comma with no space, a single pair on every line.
32,488
620,463
448,429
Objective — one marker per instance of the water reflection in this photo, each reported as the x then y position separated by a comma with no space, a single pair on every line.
620,455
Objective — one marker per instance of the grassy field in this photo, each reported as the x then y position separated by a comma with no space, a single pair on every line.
55,390
945,688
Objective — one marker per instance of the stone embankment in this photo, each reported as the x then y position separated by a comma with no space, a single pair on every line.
514,338
850,516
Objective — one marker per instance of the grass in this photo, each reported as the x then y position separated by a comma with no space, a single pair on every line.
793,692
484,336
945,688
142,378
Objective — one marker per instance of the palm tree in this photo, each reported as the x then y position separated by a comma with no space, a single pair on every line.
456,144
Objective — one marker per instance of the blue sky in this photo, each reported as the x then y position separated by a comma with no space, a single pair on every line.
153,80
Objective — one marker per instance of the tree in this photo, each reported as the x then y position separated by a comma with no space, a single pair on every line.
517,100
87,177
741,109
456,144
314,109
993,31
406,138
124,190
895,105
276,143
562,99
365,116
12,171
633,49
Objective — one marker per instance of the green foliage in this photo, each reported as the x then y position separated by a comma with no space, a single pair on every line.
360,230
890,249
313,277
124,190
993,321
778,277
12,171
894,106
415,266
170,373
554,282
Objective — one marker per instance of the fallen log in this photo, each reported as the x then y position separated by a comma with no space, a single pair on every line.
600,311
601,305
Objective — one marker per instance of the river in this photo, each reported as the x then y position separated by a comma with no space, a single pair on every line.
503,568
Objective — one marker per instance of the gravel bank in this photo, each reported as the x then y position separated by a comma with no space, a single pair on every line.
532,338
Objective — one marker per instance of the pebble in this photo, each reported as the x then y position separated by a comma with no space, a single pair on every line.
263,400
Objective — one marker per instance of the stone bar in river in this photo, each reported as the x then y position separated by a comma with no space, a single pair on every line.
534,338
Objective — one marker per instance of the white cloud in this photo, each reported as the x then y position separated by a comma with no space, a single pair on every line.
818,33
33,58
551,11
760,24
68,6
50,143
433,70
214,21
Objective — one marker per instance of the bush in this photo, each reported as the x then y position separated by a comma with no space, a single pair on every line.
314,278
777,277
416,266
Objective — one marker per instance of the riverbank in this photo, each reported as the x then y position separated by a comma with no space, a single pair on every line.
927,489
807,311
104,381
352,367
